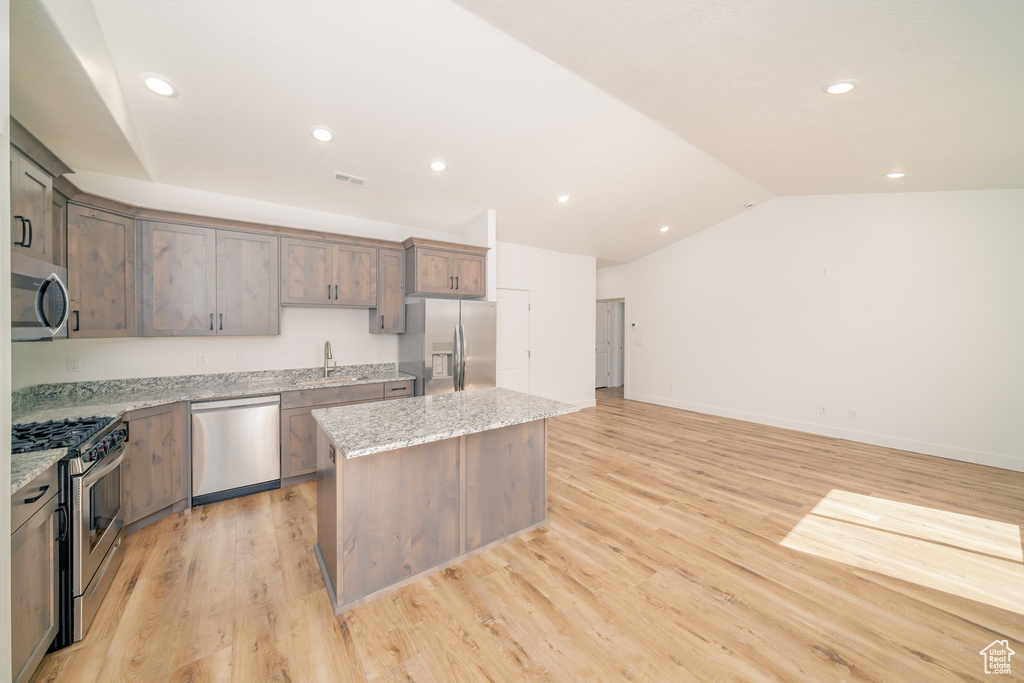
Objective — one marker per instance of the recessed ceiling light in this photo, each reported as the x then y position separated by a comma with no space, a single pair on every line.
563,198
664,229
158,84
841,87
894,175
438,166
749,205
321,133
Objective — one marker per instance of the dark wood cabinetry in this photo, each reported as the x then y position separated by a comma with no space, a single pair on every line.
200,281
154,469
101,273
315,273
443,269
389,315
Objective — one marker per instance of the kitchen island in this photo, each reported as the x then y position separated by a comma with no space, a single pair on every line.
408,487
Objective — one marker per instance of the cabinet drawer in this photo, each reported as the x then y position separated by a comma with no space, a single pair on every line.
401,389
344,394
33,497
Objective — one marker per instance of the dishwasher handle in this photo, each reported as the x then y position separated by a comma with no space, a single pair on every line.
250,402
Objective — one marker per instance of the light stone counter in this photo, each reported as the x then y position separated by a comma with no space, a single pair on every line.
369,428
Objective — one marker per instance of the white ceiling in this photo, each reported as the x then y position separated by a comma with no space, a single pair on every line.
704,98
941,96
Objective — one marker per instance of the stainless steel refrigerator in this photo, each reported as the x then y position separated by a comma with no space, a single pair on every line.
449,345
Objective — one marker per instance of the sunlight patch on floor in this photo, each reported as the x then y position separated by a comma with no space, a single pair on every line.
975,558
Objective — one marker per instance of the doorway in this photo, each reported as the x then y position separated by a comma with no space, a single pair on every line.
513,345
609,346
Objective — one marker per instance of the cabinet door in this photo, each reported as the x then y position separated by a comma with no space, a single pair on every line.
247,287
153,463
354,273
435,271
305,272
179,280
101,274
31,200
389,316
298,442
469,275
33,590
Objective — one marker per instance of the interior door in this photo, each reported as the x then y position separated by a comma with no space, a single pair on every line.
602,348
513,347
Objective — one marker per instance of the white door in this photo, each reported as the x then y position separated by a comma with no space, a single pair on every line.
513,348
602,348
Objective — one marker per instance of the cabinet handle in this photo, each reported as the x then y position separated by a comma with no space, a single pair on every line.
382,322
328,291
335,292
35,498
222,321
451,282
211,321
456,282
78,320
22,242
29,245
330,453
399,388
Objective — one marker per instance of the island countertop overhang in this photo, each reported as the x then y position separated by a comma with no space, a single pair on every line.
368,428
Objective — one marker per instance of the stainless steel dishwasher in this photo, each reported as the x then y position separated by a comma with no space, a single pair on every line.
236,447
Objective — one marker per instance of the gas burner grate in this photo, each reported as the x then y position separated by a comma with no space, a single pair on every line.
41,436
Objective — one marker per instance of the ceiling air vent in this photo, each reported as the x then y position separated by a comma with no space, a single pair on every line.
351,179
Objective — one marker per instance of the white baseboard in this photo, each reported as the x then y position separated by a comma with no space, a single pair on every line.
589,403
1006,462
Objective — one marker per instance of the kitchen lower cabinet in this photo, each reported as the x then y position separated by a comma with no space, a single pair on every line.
199,281
389,315
34,573
154,471
101,273
298,428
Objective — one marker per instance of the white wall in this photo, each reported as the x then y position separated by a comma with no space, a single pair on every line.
300,344
918,325
562,296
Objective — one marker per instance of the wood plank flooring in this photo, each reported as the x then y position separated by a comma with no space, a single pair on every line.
671,556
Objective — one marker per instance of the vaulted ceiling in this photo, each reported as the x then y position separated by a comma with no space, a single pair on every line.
647,113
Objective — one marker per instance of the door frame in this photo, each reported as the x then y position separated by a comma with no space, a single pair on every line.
620,360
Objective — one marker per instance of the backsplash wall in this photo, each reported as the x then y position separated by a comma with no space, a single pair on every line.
300,344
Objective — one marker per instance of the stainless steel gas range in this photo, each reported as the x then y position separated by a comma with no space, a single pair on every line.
90,495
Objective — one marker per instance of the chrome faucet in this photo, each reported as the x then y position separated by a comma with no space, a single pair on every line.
327,356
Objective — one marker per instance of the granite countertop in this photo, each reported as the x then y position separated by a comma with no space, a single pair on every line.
368,428
114,398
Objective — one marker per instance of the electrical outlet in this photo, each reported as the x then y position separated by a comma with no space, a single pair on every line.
201,358
638,342
853,414
74,363
671,387
822,410
380,352
243,357
824,271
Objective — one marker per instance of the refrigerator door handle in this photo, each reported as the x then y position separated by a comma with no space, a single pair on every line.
462,357
456,356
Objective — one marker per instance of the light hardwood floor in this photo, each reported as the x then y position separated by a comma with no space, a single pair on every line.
664,561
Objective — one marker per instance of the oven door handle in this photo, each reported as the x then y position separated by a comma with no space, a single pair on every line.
94,475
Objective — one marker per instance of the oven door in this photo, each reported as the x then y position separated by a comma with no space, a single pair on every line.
39,299
97,499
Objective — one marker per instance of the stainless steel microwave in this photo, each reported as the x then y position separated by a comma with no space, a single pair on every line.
39,299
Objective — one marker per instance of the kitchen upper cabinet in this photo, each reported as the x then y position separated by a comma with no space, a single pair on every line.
58,228
389,315
315,273
247,291
154,461
31,208
202,281
101,273
445,270
179,280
